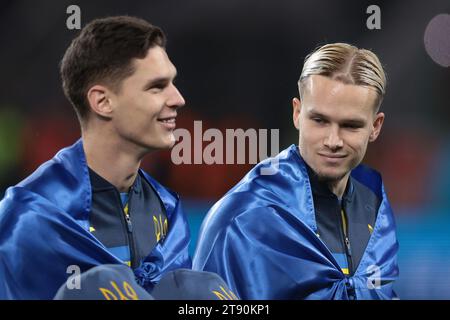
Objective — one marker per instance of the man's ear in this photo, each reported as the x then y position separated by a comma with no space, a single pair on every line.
377,124
99,101
296,107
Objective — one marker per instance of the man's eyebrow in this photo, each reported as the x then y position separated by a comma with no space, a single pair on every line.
159,81
317,114
353,121
356,122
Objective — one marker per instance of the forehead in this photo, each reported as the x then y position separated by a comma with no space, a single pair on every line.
335,98
156,64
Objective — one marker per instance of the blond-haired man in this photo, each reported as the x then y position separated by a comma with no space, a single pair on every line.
322,227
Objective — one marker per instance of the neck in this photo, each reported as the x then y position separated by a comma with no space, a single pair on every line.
111,159
338,186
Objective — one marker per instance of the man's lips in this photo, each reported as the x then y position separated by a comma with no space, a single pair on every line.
168,122
332,156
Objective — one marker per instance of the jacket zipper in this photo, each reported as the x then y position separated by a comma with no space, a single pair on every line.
126,215
129,224
348,248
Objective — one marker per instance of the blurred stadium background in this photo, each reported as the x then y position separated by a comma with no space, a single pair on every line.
238,64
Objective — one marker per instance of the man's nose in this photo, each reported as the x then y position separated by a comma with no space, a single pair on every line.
333,139
175,99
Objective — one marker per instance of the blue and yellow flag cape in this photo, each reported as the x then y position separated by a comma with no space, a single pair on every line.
261,239
44,229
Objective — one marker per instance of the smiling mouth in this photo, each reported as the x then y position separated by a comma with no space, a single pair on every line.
332,156
169,122
332,159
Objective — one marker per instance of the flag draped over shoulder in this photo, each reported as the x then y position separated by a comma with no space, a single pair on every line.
261,238
44,229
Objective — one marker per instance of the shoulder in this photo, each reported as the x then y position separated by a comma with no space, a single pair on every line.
370,191
159,187
63,181
29,214
237,206
366,196
260,194
369,178
169,198
65,164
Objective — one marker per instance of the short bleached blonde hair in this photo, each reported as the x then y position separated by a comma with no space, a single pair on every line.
348,64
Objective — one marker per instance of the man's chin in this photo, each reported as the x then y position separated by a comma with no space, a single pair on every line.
171,141
170,145
165,145
329,176
166,141
161,145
